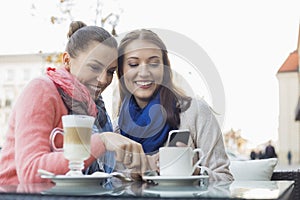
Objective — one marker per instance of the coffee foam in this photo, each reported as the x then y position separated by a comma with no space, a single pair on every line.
78,121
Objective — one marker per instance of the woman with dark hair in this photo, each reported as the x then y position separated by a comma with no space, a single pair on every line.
152,106
89,63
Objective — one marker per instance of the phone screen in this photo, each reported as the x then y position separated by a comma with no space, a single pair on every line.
178,136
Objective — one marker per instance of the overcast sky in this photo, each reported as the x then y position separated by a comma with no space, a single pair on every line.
247,40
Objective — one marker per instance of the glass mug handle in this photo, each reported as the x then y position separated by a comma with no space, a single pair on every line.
53,134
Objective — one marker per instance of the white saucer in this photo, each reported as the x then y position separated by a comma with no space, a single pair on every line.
174,191
63,180
175,180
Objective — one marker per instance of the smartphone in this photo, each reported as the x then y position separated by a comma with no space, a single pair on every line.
178,136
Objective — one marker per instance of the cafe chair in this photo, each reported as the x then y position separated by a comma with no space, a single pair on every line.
254,170
281,175
263,170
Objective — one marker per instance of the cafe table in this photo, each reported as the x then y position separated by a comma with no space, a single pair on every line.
115,189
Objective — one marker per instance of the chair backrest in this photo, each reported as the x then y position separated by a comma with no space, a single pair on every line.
281,175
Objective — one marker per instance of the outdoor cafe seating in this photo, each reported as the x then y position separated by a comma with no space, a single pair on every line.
263,170
254,179
294,175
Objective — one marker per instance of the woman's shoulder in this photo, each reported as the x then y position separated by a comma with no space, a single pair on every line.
40,87
197,110
41,80
199,105
40,83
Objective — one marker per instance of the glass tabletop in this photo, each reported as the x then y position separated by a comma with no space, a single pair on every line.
139,190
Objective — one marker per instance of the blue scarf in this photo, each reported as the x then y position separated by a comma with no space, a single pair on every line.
146,126
103,123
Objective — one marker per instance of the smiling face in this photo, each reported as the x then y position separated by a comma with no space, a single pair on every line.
95,67
143,70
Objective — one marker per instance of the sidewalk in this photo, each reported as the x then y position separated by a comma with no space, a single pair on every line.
287,167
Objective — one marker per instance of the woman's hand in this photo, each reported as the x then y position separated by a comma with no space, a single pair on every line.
127,151
153,161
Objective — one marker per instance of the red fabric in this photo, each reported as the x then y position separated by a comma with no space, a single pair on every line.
72,87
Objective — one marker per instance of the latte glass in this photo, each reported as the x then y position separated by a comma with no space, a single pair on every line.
77,131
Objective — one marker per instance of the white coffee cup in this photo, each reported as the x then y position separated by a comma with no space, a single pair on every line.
178,161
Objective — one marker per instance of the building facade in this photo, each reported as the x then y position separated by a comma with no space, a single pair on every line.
289,91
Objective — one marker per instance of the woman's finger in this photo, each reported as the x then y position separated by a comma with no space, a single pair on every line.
181,144
120,153
144,164
136,156
153,161
128,155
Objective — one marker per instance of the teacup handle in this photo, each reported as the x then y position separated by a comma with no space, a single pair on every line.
198,150
53,134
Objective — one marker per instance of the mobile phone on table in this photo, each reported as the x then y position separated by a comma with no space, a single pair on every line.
178,136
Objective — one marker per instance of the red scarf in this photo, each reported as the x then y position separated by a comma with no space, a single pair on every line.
75,95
